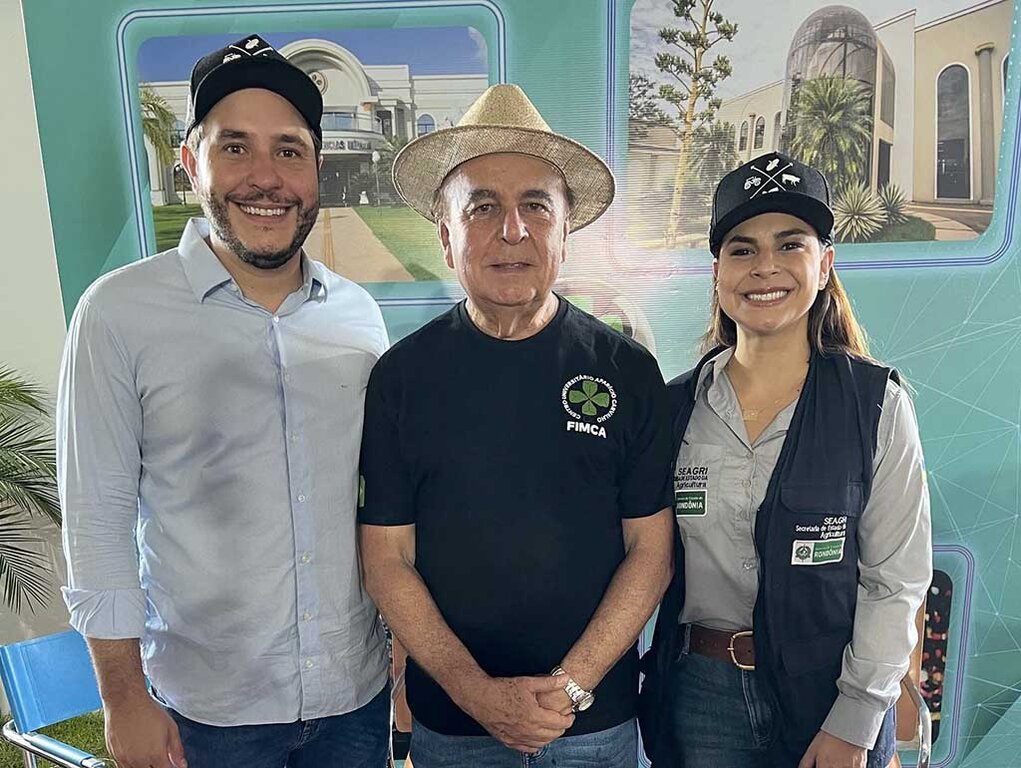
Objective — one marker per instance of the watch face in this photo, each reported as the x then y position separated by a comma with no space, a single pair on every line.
585,702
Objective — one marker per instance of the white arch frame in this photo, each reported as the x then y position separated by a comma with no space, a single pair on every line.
935,143
331,50
743,130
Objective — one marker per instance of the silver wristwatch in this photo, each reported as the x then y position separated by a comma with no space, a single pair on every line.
580,698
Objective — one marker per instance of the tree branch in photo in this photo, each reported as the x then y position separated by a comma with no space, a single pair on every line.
701,28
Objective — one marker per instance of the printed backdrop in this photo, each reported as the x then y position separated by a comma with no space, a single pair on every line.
909,105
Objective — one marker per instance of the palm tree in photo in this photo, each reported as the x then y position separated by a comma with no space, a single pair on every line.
714,153
387,153
158,125
28,491
833,128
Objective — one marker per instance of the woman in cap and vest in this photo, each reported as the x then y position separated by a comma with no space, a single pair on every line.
801,501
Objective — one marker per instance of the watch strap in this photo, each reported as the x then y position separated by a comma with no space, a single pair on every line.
574,691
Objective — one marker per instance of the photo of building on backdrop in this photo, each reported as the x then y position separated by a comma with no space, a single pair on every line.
382,87
901,104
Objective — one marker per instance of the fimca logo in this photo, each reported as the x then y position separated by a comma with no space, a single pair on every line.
595,398
596,401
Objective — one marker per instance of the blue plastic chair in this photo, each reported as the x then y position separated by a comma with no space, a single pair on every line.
48,679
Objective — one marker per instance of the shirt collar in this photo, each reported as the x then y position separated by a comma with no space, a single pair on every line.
314,285
205,272
722,398
710,373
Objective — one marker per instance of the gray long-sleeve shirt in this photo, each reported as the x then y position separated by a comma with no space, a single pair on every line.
894,537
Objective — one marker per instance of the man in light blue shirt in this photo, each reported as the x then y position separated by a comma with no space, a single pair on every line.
209,419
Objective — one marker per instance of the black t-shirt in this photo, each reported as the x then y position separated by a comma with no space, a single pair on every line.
516,461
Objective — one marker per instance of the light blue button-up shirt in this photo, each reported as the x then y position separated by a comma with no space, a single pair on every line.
207,454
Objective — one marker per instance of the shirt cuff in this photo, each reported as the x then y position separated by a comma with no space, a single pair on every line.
106,614
854,722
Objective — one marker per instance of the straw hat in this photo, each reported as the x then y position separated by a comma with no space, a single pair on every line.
502,120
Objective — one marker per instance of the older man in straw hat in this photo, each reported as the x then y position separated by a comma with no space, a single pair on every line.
516,528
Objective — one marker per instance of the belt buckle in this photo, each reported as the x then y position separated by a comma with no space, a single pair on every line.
733,658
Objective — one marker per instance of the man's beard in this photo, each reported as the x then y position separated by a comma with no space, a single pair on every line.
218,213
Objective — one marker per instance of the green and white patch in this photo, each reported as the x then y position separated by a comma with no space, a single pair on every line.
691,491
818,552
690,503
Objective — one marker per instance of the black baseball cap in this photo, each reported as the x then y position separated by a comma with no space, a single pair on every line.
772,183
251,62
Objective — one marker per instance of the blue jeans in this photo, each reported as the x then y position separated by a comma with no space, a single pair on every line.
721,716
615,747
358,739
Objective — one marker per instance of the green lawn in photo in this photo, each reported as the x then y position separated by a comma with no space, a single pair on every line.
85,733
170,221
410,238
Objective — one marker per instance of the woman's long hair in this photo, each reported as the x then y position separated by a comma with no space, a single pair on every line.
832,326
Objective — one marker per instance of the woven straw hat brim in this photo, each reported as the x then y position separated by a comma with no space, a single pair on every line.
421,166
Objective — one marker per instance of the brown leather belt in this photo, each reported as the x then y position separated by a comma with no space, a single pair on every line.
732,647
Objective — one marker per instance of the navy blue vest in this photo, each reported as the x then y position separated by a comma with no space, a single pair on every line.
806,538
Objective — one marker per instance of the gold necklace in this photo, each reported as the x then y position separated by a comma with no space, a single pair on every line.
753,414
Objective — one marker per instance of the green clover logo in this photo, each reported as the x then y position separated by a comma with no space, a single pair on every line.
590,397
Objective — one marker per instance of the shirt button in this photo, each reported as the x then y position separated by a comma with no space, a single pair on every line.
276,319
294,437
301,497
748,564
287,377
306,558
306,616
309,664
746,483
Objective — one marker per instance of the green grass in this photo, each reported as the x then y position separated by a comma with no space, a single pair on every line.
85,733
170,221
410,238
914,229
